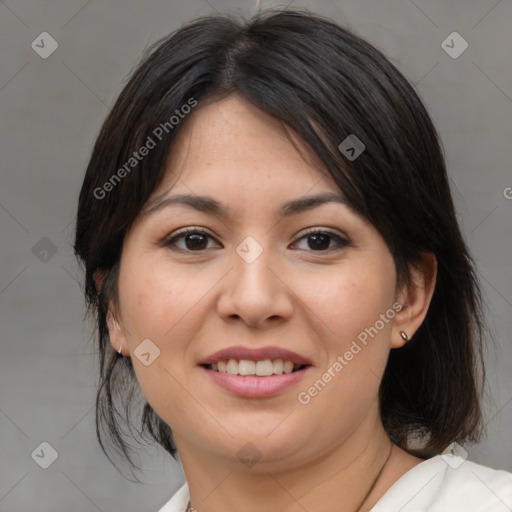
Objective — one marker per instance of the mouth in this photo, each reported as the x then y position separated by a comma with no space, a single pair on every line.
255,379
262,361
255,372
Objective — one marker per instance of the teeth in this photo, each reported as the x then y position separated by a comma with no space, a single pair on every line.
232,367
246,367
262,368
278,366
288,367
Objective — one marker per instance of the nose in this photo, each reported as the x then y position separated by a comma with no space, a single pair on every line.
255,292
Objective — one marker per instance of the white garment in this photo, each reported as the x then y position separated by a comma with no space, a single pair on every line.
444,483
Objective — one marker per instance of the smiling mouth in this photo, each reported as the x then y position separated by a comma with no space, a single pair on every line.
246,367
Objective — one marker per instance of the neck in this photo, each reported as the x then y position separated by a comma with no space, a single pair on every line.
349,477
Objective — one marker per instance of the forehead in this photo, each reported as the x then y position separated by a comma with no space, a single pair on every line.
231,144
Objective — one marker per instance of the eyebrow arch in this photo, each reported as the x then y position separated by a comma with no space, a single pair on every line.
208,204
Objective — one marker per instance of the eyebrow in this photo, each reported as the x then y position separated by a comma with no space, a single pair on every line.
210,205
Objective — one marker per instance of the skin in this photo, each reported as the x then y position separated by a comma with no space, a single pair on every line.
322,456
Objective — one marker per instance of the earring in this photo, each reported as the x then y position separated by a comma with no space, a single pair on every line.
404,335
120,350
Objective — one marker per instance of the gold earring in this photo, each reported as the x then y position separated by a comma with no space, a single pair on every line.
404,335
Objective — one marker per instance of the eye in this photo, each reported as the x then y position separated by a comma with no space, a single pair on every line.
319,240
194,239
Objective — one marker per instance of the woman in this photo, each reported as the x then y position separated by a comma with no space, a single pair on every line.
273,258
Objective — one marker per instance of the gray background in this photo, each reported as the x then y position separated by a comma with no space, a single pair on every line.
51,111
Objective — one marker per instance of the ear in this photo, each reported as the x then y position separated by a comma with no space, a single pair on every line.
415,299
116,332
99,277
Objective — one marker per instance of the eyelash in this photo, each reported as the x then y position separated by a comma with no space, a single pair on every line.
342,242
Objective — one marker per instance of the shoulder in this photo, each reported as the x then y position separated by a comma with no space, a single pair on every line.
179,500
449,482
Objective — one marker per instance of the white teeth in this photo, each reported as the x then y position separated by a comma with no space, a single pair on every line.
232,367
288,367
264,368
278,366
246,367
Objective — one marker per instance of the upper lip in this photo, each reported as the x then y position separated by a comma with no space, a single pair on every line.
256,354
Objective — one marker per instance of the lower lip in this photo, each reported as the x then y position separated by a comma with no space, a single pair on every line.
250,386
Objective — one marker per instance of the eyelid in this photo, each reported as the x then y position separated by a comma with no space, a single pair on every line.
323,230
190,229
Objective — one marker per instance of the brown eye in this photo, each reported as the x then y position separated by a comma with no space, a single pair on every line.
319,241
196,241
192,240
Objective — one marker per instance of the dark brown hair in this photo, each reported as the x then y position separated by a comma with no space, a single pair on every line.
323,83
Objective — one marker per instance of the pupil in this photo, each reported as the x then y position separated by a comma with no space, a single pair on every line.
320,241
196,241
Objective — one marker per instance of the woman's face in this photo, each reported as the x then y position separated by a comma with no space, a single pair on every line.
252,279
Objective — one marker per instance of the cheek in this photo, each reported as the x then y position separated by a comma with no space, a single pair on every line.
350,300
167,307
356,340
154,301
357,345
154,306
